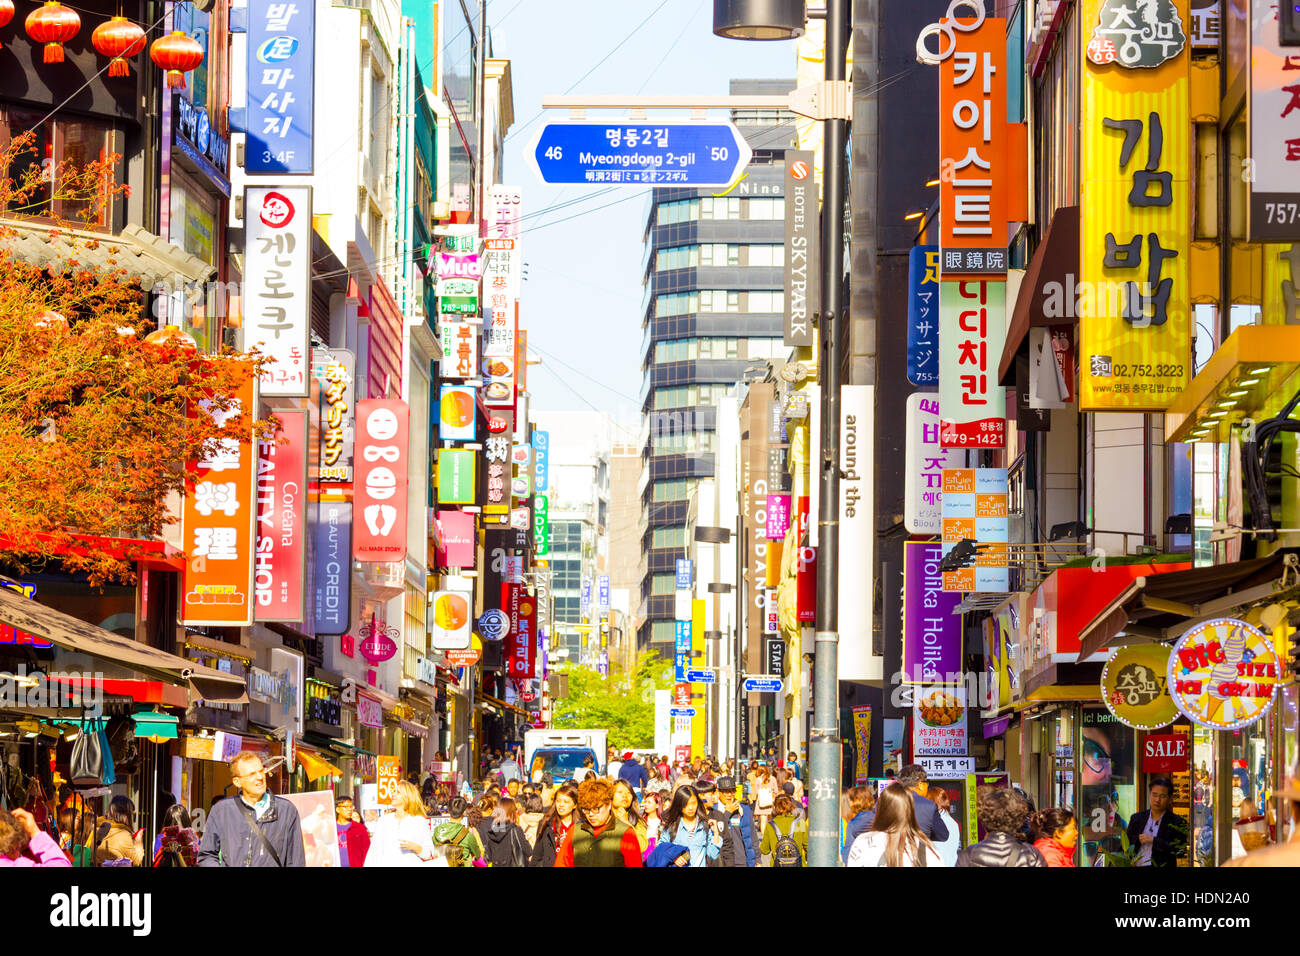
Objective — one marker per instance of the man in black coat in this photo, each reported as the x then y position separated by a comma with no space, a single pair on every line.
1159,833
913,778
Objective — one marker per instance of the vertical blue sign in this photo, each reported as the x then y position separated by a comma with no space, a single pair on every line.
542,460
586,597
683,574
603,585
281,79
923,315
332,550
681,650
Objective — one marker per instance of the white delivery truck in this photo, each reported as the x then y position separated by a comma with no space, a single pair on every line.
562,751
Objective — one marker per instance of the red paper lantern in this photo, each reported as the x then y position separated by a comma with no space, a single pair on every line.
6,12
118,38
177,54
54,25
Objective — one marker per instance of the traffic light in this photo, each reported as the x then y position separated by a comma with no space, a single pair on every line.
1288,22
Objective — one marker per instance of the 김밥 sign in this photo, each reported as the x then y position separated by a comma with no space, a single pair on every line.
380,493
277,289
217,525
281,564
1134,195
1223,674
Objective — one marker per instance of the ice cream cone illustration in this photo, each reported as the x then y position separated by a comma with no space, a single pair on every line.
1226,670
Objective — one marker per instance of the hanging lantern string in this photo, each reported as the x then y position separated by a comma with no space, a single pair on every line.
102,70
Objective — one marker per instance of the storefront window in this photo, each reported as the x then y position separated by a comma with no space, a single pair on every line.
1107,787
1202,797
77,142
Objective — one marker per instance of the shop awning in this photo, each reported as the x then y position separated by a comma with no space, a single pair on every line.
76,635
138,252
315,767
1251,375
1163,606
1055,261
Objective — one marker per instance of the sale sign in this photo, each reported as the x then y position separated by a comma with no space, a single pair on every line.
379,514
390,774
281,562
1164,753
217,523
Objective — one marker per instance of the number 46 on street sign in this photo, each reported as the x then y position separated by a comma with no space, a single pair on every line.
640,154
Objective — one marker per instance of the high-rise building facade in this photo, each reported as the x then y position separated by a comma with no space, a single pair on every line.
713,311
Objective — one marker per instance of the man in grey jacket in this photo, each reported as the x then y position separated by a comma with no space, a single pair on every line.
254,827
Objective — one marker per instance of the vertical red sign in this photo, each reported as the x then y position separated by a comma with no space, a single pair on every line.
379,514
522,646
280,565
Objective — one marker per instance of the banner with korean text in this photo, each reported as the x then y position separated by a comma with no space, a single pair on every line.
972,330
277,284
1135,207
280,567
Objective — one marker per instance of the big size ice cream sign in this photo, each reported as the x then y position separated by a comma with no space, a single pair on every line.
1224,674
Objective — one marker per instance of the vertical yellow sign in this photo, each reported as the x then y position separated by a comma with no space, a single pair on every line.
699,723
1134,304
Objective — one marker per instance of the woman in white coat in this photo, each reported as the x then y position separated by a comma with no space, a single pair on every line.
403,837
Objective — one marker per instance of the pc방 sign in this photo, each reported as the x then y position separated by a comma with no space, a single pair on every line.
218,522
280,567
380,493
277,284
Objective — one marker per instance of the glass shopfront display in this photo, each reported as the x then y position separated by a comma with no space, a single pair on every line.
1107,786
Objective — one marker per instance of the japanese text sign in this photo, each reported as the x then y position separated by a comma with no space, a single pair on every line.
972,405
380,493
923,315
335,369
1135,208
281,84
333,566
924,461
217,524
277,284
280,568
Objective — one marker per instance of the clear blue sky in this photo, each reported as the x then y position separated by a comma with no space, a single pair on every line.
582,298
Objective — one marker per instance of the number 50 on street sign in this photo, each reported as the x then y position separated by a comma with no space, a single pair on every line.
640,154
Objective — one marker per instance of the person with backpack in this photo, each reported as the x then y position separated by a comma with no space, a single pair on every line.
785,839
556,825
455,841
506,844
739,835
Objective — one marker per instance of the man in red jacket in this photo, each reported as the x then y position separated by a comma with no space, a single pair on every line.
354,840
599,838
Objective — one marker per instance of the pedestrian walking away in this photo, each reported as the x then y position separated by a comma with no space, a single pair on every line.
895,837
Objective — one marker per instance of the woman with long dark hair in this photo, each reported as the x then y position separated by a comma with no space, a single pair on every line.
121,846
177,843
894,838
556,824
626,809
506,844
685,823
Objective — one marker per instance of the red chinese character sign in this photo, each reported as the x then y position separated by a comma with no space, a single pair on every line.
379,514
217,525
972,329
1224,674
277,284
973,154
281,563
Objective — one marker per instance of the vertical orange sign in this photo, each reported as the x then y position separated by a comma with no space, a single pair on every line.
973,163
217,525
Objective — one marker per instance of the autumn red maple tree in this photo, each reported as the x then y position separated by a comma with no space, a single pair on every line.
94,420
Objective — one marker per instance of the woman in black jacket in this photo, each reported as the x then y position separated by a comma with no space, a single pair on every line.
555,825
1002,814
505,843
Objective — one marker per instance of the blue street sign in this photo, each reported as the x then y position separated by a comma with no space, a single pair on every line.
701,677
765,685
281,83
650,154
682,712
683,574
